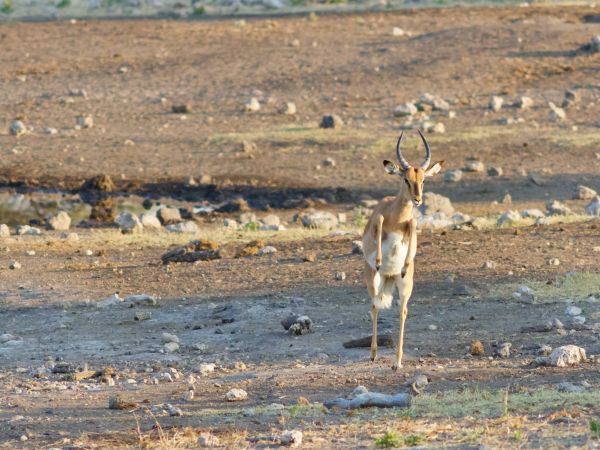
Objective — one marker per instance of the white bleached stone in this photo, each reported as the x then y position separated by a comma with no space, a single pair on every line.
593,208
496,103
236,395
453,176
4,231
573,310
149,220
509,217
60,222
584,193
129,222
567,355
188,226
405,109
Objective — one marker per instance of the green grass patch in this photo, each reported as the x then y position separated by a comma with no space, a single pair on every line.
199,11
595,428
493,404
389,440
576,286
7,7
576,139
63,4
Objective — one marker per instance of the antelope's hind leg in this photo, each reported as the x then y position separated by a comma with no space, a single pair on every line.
381,291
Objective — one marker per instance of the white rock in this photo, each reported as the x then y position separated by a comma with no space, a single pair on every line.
230,224
109,301
288,108
149,220
554,262
129,222
555,208
584,193
4,231
174,411
252,105
495,171
432,327
405,109
85,121
168,215
188,226
236,395
67,236
580,320
328,162
453,176
14,265
50,131
60,222
267,250
208,440
319,219
206,368
292,438
438,128
433,203
524,102
508,218
169,337
533,213
474,165
357,247
171,347
18,128
6,337
26,229
593,208
397,31
489,265
567,355
573,310
496,103
340,276
556,114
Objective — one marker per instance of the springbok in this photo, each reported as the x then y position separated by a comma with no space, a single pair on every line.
390,242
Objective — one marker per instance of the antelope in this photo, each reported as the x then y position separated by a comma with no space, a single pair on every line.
390,242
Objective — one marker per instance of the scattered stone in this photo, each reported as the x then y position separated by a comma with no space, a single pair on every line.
173,410
168,216
397,31
185,108
251,248
117,402
14,265
556,114
142,315
28,230
533,213
169,337
171,347
438,128
432,327
18,128
297,325
571,97
236,395
524,102
292,438
554,262
593,208
556,208
60,222
476,348
405,109
433,203
319,219
267,250
84,121
566,386
489,264
113,300
509,218
149,220
584,193
141,300
189,226
328,162
453,176
252,105
4,231
579,320
504,350
567,355
288,108
544,350
594,45
474,165
357,247
235,205
496,103
331,121
230,224
248,146
129,222
495,171
50,131
573,310
340,276
208,440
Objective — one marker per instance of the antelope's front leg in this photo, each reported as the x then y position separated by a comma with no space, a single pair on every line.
374,314
405,286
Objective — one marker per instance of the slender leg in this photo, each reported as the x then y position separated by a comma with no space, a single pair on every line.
405,286
374,314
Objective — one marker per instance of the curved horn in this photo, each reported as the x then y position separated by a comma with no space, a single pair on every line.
425,163
403,162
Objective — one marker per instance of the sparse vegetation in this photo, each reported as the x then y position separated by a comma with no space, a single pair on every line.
389,440
595,428
7,7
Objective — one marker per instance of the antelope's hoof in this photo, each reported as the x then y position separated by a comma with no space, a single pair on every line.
377,266
373,355
395,367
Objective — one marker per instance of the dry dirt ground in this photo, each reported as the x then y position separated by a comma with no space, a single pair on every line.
228,311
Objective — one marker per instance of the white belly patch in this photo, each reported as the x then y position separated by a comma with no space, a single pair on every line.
393,255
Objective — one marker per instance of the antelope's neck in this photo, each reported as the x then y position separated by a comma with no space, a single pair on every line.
403,207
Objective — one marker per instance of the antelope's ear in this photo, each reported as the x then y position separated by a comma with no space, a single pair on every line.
391,168
434,168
